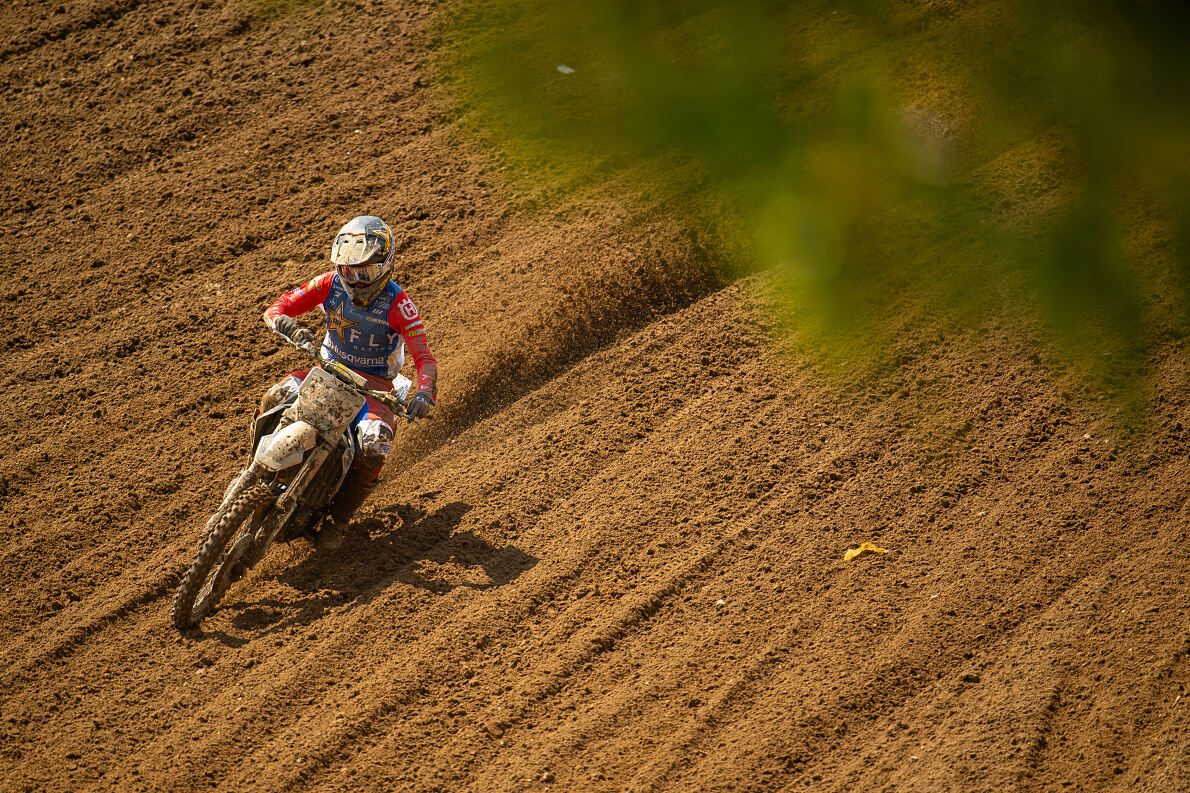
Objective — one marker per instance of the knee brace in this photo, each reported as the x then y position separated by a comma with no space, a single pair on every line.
375,440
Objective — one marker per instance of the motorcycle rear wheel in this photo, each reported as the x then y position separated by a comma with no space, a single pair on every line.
211,572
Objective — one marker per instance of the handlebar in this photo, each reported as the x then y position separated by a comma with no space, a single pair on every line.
346,375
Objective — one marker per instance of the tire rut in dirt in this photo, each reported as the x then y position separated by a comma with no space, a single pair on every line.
105,15
600,308
186,614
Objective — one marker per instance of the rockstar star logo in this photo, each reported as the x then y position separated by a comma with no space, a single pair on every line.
337,323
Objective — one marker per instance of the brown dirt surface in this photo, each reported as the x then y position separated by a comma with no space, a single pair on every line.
615,559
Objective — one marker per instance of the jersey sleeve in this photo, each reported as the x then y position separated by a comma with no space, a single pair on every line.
404,318
298,301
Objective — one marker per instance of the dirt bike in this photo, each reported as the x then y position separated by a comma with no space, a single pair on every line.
301,451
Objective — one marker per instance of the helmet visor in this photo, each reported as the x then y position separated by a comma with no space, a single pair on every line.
359,257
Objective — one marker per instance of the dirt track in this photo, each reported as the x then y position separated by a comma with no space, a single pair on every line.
616,558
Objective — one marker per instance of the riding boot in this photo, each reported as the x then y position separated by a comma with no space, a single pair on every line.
353,492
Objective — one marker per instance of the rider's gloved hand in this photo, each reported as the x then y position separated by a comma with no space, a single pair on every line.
420,405
286,326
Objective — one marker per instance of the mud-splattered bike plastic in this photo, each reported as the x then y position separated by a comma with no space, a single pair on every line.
286,488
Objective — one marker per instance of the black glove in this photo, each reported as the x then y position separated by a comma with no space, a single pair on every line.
286,326
419,406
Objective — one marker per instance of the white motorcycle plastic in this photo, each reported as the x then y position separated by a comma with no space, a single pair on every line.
302,450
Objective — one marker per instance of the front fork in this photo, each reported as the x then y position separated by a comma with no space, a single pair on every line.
287,502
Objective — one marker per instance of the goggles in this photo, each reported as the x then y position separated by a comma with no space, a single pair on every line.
360,275
360,258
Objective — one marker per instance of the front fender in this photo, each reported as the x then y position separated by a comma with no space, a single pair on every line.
286,446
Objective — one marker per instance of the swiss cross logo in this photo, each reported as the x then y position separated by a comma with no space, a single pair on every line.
408,310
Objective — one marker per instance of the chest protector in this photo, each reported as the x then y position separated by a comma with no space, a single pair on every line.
361,337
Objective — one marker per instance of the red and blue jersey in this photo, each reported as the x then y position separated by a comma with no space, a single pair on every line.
371,340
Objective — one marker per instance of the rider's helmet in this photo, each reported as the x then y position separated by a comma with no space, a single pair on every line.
363,257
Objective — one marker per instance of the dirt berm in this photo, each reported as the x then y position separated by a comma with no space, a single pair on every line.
614,561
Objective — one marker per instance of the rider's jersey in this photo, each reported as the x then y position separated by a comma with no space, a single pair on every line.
370,339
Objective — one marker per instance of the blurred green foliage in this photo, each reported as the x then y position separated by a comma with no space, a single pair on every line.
944,161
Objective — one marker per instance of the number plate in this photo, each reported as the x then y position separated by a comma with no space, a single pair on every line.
328,405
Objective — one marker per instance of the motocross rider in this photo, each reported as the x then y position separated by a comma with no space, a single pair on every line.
369,322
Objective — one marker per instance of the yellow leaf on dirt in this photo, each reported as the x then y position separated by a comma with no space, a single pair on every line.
867,547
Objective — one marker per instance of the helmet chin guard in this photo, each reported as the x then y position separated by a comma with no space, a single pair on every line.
363,253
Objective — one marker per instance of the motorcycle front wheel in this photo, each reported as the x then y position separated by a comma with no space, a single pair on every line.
212,571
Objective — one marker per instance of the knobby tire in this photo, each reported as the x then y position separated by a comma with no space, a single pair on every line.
236,513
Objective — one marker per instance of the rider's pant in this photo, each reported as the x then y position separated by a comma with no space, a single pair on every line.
374,432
